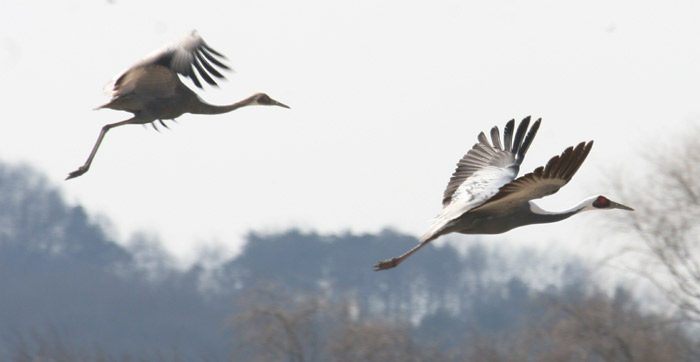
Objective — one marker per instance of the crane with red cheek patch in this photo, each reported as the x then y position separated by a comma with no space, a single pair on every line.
485,197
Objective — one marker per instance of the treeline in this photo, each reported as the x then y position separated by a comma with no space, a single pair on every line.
68,292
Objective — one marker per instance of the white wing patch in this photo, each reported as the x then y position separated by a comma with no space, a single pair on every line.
474,191
482,185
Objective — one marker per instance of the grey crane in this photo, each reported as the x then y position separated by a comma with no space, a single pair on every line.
152,90
484,197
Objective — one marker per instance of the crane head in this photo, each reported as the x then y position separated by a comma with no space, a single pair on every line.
263,99
603,203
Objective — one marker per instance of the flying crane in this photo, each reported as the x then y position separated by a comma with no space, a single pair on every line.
485,197
152,90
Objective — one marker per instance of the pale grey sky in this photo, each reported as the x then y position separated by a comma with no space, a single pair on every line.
386,96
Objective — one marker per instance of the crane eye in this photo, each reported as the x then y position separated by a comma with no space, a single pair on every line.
601,202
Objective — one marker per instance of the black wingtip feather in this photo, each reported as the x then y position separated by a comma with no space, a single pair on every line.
565,166
528,140
208,66
583,150
211,50
203,72
205,52
517,142
558,164
508,135
194,78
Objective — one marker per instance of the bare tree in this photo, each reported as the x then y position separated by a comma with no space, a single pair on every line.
590,328
666,197
273,325
49,344
374,340
613,329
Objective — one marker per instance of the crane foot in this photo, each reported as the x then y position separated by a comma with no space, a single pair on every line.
386,264
81,170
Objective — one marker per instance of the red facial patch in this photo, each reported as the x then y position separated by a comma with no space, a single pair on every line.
601,202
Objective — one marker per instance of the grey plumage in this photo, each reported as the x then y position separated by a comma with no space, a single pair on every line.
152,90
483,195
183,57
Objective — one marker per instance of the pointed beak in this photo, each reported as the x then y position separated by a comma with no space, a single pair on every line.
615,205
275,103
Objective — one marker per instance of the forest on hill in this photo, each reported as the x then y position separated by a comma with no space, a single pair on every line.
69,292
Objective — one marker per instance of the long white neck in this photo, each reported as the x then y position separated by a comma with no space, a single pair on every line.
539,215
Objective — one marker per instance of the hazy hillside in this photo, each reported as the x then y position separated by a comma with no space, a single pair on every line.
67,289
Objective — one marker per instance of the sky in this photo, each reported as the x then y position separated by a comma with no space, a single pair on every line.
385,96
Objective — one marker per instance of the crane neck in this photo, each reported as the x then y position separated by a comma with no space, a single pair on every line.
202,107
541,216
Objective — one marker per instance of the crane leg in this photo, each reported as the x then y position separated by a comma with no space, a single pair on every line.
394,262
85,167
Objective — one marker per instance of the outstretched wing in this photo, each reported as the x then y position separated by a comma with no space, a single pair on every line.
488,158
182,57
483,170
542,182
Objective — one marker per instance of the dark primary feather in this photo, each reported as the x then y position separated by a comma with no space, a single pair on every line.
208,66
508,135
202,72
522,128
483,154
183,57
206,50
542,182
211,50
527,142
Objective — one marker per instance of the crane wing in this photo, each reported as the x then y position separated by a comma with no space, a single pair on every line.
542,182
143,82
484,156
182,57
483,171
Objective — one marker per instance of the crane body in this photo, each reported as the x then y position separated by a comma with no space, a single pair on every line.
485,197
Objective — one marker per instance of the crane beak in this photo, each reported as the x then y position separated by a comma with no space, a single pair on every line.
615,205
276,103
